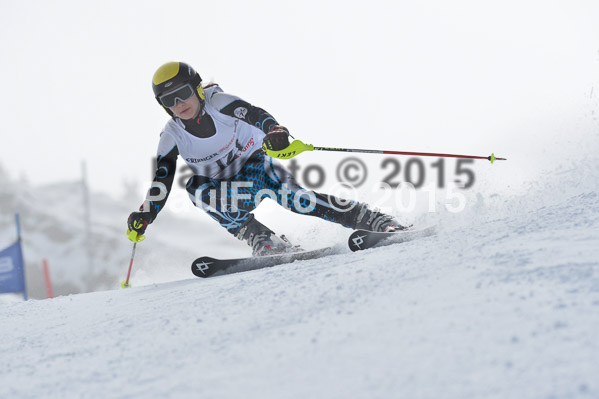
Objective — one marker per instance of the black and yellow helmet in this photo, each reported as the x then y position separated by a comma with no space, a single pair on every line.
173,73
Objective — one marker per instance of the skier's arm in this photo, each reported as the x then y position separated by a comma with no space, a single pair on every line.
240,109
166,165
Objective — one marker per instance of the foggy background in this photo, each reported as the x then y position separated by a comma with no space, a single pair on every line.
464,76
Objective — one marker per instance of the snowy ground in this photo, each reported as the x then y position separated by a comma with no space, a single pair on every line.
502,303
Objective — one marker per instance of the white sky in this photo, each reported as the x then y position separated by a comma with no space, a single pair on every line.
458,76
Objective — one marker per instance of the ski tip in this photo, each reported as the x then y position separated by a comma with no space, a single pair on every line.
357,240
204,266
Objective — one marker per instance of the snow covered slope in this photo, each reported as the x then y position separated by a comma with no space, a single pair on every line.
502,303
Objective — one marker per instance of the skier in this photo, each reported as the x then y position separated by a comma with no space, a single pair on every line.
223,139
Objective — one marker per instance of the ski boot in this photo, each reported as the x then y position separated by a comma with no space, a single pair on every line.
373,220
263,241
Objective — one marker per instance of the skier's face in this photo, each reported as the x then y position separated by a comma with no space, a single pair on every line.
186,109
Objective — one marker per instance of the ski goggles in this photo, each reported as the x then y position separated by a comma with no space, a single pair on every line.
181,93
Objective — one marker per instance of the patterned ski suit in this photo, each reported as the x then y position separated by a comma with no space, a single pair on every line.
231,172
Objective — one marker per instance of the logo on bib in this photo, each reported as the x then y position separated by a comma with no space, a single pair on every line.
198,160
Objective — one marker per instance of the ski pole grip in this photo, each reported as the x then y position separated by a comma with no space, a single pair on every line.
295,148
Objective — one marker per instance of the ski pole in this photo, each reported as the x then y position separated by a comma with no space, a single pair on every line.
297,147
125,284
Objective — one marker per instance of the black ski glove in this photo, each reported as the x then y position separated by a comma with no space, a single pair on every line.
277,138
137,224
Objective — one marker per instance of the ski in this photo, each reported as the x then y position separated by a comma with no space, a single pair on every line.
363,239
206,266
